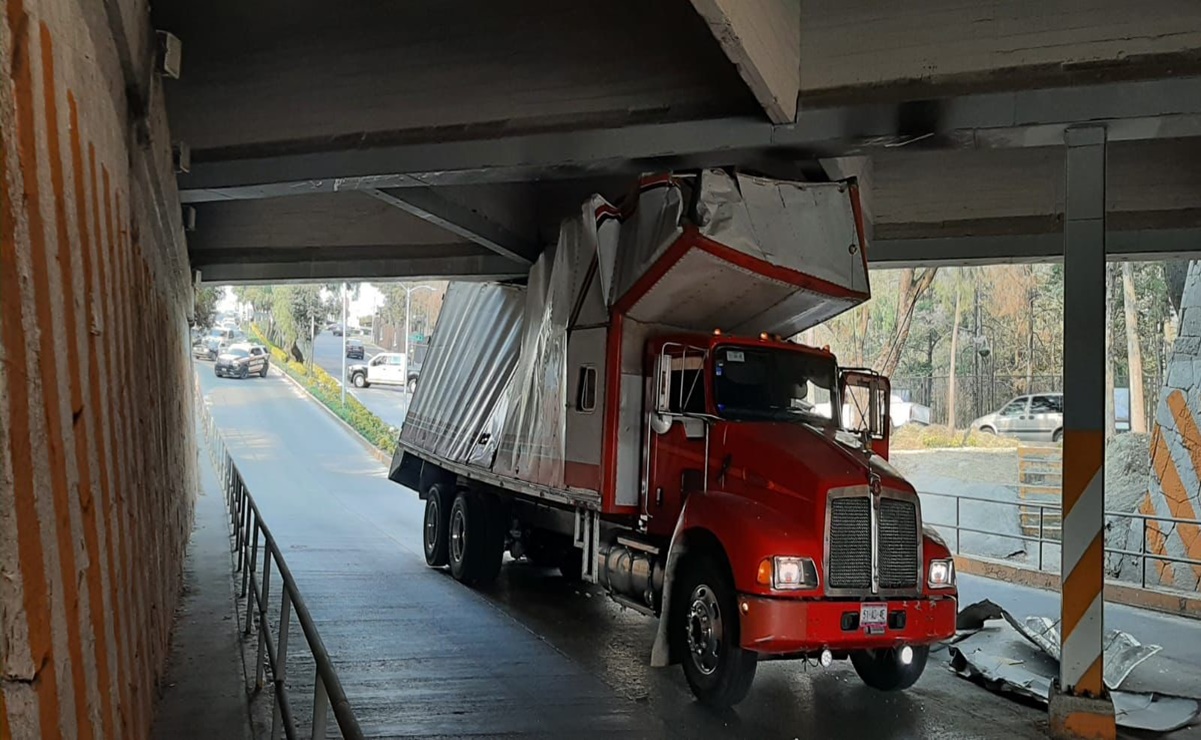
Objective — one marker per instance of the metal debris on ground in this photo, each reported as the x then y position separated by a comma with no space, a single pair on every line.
1001,657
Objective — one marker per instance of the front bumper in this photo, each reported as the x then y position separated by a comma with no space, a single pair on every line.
228,369
783,626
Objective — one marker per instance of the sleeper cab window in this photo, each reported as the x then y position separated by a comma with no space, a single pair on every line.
586,393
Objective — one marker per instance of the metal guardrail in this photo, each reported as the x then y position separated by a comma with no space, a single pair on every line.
247,531
1044,540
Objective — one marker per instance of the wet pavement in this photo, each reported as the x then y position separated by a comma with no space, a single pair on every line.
422,656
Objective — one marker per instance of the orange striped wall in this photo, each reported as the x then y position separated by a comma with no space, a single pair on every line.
97,458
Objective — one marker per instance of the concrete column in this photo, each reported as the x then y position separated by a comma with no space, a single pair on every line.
1080,706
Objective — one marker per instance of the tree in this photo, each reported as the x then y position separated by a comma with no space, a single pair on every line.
911,288
204,307
296,310
1134,352
954,349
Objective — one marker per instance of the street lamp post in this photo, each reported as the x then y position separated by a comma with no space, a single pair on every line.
343,383
408,343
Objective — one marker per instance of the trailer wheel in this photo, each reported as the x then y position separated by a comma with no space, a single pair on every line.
475,551
718,670
435,529
884,671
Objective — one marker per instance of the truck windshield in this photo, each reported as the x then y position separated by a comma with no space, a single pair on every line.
756,384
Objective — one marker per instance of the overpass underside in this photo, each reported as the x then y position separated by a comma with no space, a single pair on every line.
447,139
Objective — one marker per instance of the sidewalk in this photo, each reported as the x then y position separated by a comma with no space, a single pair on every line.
204,694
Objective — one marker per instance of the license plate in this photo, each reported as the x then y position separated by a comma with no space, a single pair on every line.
873,618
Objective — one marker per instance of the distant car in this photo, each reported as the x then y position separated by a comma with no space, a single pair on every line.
354,349
1037,417
241,361
336,330
220,339
904,412
900,412
386,368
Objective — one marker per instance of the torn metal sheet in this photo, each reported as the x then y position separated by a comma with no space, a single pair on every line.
1122,652
999,659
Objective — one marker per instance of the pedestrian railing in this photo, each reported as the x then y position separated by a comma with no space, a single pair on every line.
1043,535
250,536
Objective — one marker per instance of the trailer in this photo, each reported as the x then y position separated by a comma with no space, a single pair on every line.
635,416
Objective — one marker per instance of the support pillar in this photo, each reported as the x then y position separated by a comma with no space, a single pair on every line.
1080,706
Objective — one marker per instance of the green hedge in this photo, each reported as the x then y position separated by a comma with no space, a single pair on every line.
322,386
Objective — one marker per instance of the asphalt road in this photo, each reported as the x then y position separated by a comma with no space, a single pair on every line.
389,403
536,656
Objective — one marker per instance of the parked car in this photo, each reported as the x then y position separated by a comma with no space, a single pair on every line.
354,349
241,361
386,368
900,412
1037,417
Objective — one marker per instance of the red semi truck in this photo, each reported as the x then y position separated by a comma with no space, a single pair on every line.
633,417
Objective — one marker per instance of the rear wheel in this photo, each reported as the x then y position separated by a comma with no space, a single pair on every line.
435,531
412,386
263,372
885,671
718,670
1057,436
475,548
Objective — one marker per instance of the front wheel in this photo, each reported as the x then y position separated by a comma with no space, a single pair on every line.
718,670
359,380
412,386
1057,436
884,669
988,430
245,373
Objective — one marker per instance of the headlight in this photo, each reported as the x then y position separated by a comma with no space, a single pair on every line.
785,573
941,574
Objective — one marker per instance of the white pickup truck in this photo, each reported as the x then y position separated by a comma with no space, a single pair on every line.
386,368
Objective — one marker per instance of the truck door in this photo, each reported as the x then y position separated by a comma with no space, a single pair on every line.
865,396
676,431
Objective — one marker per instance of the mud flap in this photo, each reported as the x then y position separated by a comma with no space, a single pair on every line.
661,656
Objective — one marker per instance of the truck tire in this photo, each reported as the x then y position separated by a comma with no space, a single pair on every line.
436,527
884,671
475,551
718,670
359,380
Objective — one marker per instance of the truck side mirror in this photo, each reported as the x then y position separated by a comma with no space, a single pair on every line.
865,395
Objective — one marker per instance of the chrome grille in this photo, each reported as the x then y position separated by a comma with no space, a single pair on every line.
849,562
898,543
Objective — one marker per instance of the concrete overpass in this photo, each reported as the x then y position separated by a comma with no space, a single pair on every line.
447,139
454,146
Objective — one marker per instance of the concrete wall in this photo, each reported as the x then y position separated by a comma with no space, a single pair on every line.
97,458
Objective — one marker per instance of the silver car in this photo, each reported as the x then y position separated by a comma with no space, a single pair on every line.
1037,417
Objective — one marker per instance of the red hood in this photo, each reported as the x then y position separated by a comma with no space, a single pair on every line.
789,467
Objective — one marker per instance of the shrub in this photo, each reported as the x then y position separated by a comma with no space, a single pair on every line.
322,386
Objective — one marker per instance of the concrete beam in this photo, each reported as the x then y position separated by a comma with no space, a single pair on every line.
326,265
762,38
1131,111
429,205
1134,245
